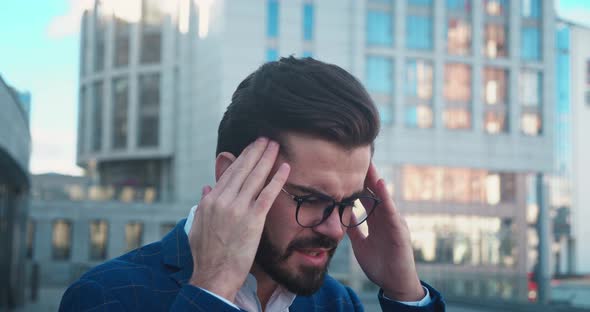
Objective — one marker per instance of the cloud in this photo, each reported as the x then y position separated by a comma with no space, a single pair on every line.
69,23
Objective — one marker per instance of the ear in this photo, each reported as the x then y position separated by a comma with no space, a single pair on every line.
222,162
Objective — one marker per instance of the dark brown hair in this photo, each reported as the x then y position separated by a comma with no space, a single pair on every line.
303,96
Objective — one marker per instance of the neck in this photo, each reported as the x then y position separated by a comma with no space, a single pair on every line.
265,285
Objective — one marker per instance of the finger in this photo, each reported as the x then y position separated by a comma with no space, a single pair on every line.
355,234
270,192
372,177
206,190
259,175
226,177
241,171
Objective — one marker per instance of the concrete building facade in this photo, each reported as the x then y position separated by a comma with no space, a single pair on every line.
464,90
15,151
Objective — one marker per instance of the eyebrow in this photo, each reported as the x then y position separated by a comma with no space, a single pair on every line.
314,191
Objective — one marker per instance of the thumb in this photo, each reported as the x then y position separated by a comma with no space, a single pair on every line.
356,235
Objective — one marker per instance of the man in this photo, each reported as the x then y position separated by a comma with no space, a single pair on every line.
293,176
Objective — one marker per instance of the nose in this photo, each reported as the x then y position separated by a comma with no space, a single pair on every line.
331,227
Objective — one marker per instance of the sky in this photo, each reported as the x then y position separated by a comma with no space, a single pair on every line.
39,53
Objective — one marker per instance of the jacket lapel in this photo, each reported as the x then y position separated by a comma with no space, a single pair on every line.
177,254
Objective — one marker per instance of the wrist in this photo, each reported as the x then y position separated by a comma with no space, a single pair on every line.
409,293
222,289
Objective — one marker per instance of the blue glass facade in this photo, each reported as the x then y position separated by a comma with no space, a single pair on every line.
379,76
420,2
530,44
272,21
458,5
272,55
531,8
308,21
419,32
379,28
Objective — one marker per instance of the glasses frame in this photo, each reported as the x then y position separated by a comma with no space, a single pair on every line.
329,209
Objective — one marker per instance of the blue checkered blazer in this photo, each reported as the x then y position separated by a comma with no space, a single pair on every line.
154,278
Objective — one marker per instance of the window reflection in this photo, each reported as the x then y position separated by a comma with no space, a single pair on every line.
530,41
463,240
133,235
496,7
149,99
495,41
418,90
495,96
98,239
457,86
122,35
151,31
458,36
457,185
97,91
31,227
530,99
120,111
419,32
62,239
379,27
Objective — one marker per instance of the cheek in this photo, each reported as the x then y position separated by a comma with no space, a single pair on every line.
281,224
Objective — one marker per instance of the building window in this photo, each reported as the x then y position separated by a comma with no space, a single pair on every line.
457,94
82,126
83,42
496,7
122,35
379,74
272,21
418,91
379,27
120,112
149,99
457,185
99,37
463,240
458,5
379,82
133,235
419,32
151,31
531,8
496,99
97,92
496,43
458,36
62,239
530,44
272,55
420,2
530,99
308,21
31,226
98,240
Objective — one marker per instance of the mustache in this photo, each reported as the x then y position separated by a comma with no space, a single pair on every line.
318,241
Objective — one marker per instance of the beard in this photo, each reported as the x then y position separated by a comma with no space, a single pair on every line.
303,280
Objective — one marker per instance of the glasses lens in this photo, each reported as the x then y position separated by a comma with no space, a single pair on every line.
312,210
358,212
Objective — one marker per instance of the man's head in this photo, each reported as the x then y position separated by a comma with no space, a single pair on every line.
325,123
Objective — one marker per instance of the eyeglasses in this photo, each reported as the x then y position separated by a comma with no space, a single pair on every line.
314,209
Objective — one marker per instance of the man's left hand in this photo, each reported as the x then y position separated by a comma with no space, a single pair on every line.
386,254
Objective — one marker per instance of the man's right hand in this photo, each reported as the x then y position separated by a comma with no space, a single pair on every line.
228,224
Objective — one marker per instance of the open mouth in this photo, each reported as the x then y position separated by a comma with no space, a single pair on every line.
313,256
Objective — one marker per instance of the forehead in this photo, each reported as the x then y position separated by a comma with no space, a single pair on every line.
326,166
